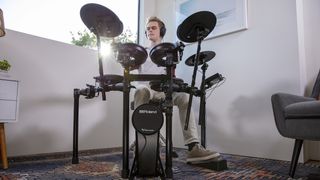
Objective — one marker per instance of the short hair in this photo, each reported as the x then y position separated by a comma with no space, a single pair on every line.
162,26
156,19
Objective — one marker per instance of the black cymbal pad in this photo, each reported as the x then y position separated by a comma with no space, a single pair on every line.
204,56
199,24
101,20
109,79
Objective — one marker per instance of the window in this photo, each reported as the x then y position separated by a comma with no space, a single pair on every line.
57,19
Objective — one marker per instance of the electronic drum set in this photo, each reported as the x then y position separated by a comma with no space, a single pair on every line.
147,119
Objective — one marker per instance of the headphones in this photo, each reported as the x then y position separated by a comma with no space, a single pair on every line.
162,29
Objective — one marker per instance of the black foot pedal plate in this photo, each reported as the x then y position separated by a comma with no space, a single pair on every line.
217,164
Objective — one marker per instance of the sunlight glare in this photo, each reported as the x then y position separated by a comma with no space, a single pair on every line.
105,49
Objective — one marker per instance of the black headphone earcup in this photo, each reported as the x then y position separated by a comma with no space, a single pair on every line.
163,31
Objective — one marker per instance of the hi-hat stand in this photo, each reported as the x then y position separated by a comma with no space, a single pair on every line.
103,23
89,93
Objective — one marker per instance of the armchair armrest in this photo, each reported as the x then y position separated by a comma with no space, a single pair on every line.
303,110
281,100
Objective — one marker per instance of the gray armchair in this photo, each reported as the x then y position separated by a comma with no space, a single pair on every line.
298,117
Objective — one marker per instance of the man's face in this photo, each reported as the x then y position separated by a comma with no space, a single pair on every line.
153,31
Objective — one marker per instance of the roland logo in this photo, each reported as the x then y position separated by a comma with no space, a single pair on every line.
147,130
142,111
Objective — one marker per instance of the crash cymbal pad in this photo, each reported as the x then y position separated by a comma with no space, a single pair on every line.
101,20
198,25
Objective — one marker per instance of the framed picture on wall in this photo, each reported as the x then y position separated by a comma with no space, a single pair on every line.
231,14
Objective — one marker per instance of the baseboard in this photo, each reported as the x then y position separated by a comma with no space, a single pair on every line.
61,155
66,154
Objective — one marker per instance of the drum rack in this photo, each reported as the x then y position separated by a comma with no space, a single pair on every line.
103,22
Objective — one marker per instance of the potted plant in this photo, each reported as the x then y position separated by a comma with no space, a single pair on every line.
4,65
4,68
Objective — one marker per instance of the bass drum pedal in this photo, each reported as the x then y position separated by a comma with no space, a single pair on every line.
147,119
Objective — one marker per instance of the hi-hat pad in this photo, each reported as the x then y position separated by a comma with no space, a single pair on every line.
109,79
204,56
101,20
199,24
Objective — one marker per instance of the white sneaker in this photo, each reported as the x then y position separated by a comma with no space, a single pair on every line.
199,153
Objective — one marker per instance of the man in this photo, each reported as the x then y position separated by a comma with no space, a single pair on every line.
155,31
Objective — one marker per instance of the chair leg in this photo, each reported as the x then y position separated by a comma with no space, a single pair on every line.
3,147
295,156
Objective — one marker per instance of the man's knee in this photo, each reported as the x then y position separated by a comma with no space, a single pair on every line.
182,99
142,92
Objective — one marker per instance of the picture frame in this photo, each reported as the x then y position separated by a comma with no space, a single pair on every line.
231,14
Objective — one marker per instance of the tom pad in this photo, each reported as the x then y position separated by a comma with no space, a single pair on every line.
131,55
164,54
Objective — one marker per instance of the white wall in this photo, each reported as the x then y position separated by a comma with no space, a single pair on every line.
311,15
257,63
309,35
48,72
